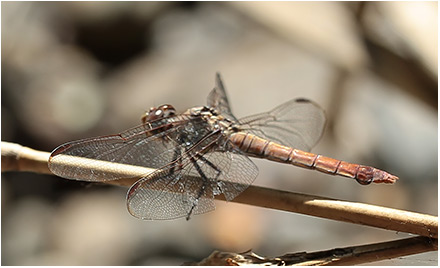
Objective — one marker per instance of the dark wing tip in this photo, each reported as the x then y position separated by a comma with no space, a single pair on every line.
303,100
60,149
218,80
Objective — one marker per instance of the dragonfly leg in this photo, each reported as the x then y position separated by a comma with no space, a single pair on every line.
209,163
202,189
219,172
176,158
203,176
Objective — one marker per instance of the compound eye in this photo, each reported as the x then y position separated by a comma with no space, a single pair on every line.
167,110
162,111
152,114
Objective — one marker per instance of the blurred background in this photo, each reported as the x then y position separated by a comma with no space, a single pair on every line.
74,70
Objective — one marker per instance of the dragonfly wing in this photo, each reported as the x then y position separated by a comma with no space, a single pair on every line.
237,171
219,100
152,145
298,123
189,188
161,195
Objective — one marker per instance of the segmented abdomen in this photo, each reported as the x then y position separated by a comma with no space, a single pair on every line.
258,147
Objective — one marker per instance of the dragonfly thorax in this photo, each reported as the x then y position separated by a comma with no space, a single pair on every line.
213,117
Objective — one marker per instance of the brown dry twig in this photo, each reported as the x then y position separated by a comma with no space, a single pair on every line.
18,158
338,256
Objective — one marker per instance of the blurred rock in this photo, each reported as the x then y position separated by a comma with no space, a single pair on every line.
409,28
74,70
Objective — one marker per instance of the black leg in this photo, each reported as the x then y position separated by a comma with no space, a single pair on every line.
203,176
177,158
201,157
202,189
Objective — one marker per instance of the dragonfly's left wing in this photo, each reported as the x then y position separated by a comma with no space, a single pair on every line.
298,123
151,145
190,186
219,100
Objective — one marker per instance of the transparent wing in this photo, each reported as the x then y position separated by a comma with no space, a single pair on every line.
189,188
151,145
218,99
298,123
162,196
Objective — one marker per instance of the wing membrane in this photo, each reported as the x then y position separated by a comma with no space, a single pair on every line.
153,145
298,123
180,191
218,99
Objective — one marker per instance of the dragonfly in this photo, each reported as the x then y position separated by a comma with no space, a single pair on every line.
204,152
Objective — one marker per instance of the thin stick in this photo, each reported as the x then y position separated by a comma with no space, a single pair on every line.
19,158
16,157
339,256
346,211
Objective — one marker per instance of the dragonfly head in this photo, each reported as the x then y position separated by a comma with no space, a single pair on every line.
162,111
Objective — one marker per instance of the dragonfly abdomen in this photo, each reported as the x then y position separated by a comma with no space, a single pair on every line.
262,148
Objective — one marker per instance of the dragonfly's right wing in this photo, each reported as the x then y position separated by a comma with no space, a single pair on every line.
298,123
218,99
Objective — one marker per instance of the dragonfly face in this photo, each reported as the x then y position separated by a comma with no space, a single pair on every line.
162,111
